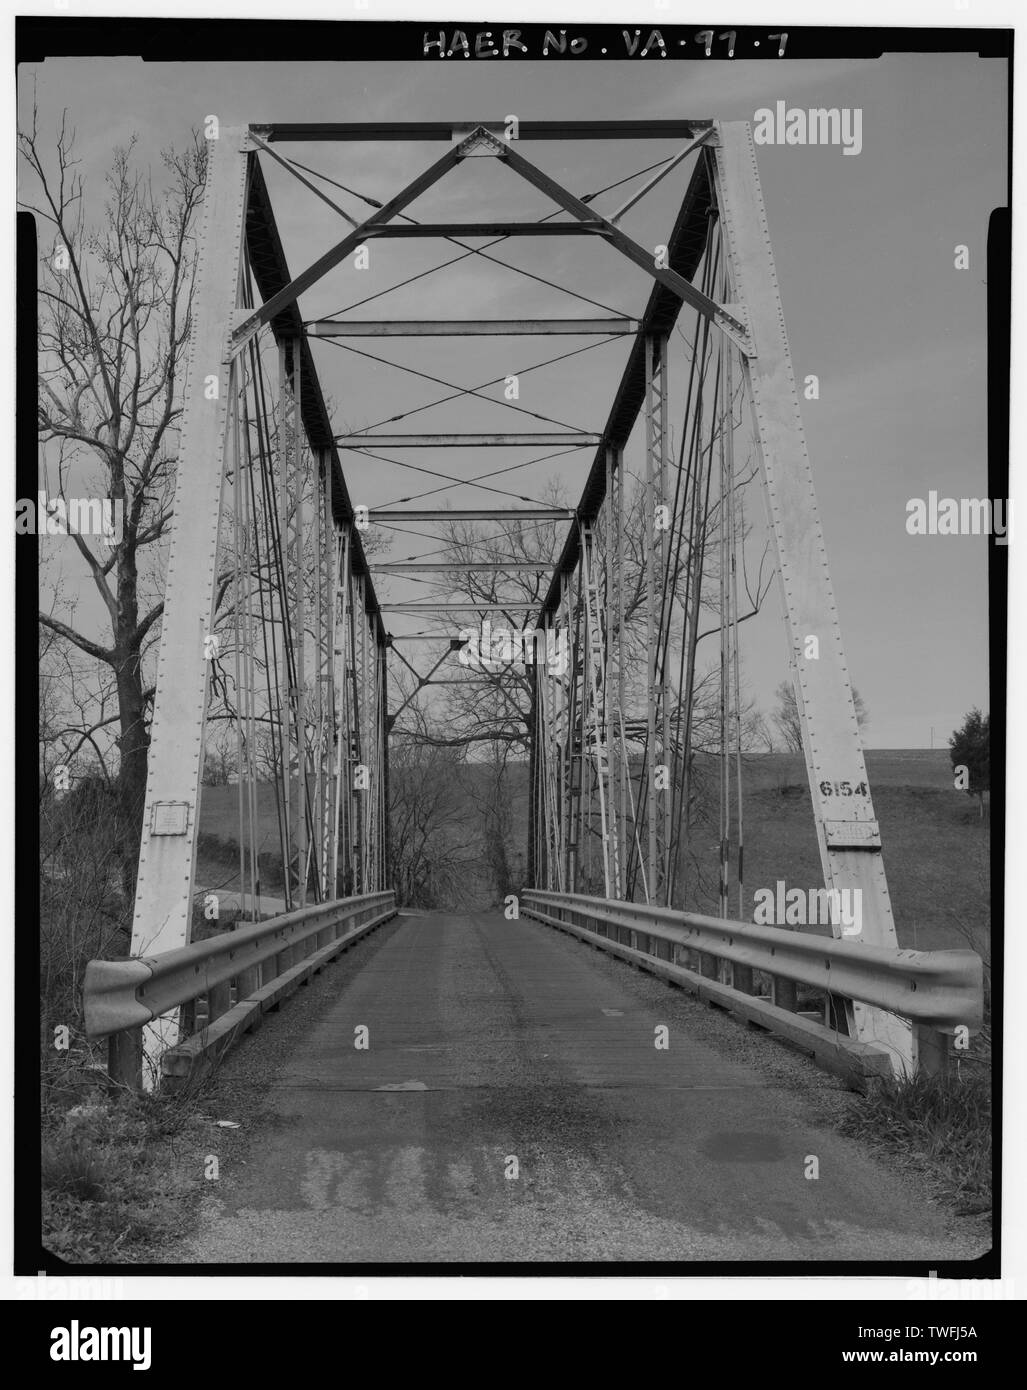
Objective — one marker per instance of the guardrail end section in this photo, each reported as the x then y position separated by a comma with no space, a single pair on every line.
109,996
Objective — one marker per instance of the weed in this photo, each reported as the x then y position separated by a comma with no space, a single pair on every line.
939,1125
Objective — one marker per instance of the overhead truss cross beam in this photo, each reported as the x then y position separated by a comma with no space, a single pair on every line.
586,217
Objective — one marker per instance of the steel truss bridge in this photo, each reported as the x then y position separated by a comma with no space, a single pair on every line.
272,608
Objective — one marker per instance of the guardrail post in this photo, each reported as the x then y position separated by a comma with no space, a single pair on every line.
741,978
835,1014
187,1019
931,1050
283,960
783,992
219,1001
125,1058
247,982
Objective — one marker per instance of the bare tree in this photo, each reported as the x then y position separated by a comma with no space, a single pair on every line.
221,757
433,842
113,329
491,789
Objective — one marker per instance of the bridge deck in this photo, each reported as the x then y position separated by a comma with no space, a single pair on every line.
491,1039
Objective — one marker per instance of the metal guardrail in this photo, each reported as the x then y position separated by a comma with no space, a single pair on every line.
237,972
937,991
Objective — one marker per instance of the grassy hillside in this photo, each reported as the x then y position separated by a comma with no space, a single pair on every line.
217,856
936,847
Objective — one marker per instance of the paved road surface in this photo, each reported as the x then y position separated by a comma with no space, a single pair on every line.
499,1047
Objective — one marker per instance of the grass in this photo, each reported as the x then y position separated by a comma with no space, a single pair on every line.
113,1189
217,849
217,860
938,1126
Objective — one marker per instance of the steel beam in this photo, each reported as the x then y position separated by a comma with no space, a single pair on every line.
308,132
460,328
472,566
685,246
485,229
271,272
658,177
449,607
595,719
830,731
466,441
340,683
312,188
727,321
477,514
291,529
654,550
615,640
291,292
584,215
326,595
167,853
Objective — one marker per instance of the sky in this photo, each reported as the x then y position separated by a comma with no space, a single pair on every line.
864,249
